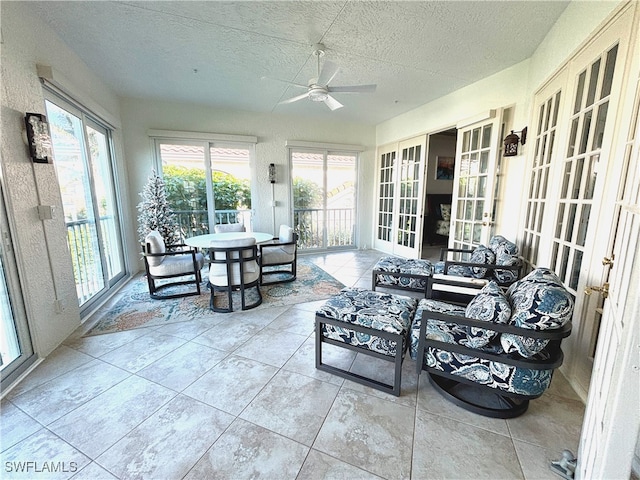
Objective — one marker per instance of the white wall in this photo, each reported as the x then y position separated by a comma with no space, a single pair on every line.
40,246
139,116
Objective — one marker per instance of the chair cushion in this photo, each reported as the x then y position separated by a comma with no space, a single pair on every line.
228,227
499,244
176,265
484,255
374,310
156,245
506,254
454,269
218,271
399,265
489,305
538,302
498,375
277,254
286,234
436,329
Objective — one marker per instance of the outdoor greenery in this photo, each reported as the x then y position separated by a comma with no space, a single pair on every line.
187,189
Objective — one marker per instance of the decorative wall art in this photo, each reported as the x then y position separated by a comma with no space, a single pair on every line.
444,168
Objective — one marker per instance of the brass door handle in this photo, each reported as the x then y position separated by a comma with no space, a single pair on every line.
608,261
604,289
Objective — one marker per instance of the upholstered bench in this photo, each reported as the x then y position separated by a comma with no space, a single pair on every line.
372,323
409,274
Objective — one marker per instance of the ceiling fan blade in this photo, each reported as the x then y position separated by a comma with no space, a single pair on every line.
353,89
285,81
294,99
332,103
329,70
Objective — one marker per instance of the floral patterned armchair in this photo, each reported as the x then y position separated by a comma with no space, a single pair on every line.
505,344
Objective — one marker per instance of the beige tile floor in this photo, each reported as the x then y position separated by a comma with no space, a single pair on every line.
239,397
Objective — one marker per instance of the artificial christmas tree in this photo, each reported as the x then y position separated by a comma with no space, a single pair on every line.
155,213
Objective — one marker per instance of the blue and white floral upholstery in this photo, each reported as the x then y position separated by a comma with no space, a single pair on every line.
500,252
539,302
506,253
509,378
372,323
483,255
515,354
403,273
489,305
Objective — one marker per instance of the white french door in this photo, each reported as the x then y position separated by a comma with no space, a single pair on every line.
611,425
473,206
401,197
549,103
568,217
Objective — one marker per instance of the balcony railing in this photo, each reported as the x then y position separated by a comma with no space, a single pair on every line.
308,222
311,227
196,222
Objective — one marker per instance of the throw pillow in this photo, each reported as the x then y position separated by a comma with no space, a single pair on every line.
489,305
483,255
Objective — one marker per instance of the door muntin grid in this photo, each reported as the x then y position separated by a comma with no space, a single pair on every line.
409,183
473,187
580,171
545,142
385,196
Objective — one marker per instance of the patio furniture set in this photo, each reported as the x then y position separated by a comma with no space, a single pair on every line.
488,339
239,261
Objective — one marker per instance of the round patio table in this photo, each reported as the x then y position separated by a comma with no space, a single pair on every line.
204,241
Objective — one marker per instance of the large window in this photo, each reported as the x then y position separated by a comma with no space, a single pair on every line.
207,183
324,198
84,166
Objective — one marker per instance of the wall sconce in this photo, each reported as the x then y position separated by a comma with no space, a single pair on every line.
511,142
272,172
38,138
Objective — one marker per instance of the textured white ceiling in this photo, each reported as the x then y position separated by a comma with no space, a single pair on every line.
215,53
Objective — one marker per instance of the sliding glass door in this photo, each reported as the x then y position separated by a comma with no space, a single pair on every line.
324,198
16,352
83,162
207,183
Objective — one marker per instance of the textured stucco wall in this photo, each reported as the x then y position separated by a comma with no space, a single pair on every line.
139,116
40,246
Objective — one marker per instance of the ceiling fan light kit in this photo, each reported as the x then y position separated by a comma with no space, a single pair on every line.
318,89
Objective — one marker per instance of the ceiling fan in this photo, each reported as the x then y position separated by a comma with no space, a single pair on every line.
318,89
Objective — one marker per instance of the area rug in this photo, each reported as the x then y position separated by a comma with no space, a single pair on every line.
135,309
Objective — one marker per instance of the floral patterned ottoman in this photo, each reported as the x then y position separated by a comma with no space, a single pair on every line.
402,273
368,322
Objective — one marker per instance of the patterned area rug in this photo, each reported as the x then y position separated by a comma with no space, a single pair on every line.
135,309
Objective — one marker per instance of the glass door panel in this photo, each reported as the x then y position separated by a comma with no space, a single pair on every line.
386,198
307,174
105,200
581,164
231,184
409,198
16,351
206,184
474,184
83,162
324,198
69,150
540,180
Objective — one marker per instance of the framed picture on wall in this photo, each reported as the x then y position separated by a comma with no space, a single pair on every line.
444,168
